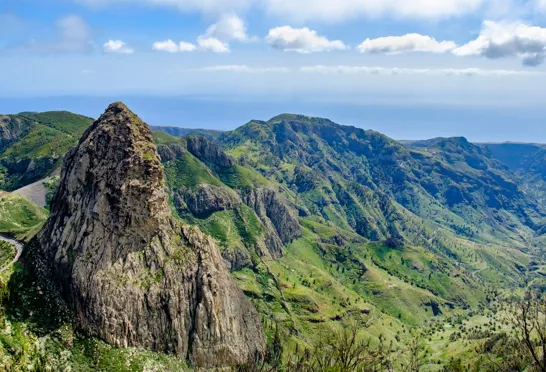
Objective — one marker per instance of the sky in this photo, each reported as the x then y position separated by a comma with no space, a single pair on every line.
409,69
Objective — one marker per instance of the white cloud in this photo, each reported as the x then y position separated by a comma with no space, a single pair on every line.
215,39
170,46
117,46
212,44
366,70
340,10
186,47
230,27
204,44
301,40
503,39
244,69
406,43
540,5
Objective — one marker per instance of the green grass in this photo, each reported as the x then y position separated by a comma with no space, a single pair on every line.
20,217
187,171
48,137
7,253
238,177
162,138
41,141
62,121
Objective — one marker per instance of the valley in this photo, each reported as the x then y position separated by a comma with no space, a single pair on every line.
142,246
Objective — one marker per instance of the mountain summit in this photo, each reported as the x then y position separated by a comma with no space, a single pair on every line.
132,274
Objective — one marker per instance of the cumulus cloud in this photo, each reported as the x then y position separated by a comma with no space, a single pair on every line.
503,39
212,44
216,38
366,70
406,43
117,46
230,27
72,34
170,46
204,44
339,10
301,40
244,69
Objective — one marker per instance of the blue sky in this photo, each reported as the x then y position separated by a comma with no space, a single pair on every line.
411,69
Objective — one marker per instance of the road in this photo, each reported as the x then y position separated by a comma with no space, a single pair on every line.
19,248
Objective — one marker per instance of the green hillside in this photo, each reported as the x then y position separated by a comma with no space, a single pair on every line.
401,235
322,226
32,145
184,132
19,217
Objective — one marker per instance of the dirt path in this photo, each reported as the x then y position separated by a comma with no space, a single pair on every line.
19,248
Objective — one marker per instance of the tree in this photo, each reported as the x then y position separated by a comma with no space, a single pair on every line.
528,317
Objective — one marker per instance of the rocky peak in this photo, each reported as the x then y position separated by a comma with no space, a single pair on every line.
132,274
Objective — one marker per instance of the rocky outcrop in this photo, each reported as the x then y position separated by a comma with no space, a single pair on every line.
205,199
132,274
171,152
208,152
12,128
276,214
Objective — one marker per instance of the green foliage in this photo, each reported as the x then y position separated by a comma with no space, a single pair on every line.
49,136
162,138
7,253
20,217
62,121
187,171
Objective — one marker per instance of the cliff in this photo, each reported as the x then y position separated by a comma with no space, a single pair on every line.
132,274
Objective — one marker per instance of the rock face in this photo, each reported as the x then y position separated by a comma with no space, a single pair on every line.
170,152
132,274
280,220
208,152
205,199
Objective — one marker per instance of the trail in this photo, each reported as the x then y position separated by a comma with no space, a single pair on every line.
19,248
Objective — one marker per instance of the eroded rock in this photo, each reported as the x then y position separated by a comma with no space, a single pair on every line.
132,274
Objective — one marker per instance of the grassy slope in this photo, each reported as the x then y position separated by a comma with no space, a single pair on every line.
458,254
19,217
7,253
318,285
51,135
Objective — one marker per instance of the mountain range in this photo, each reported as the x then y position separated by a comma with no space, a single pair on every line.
315,222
